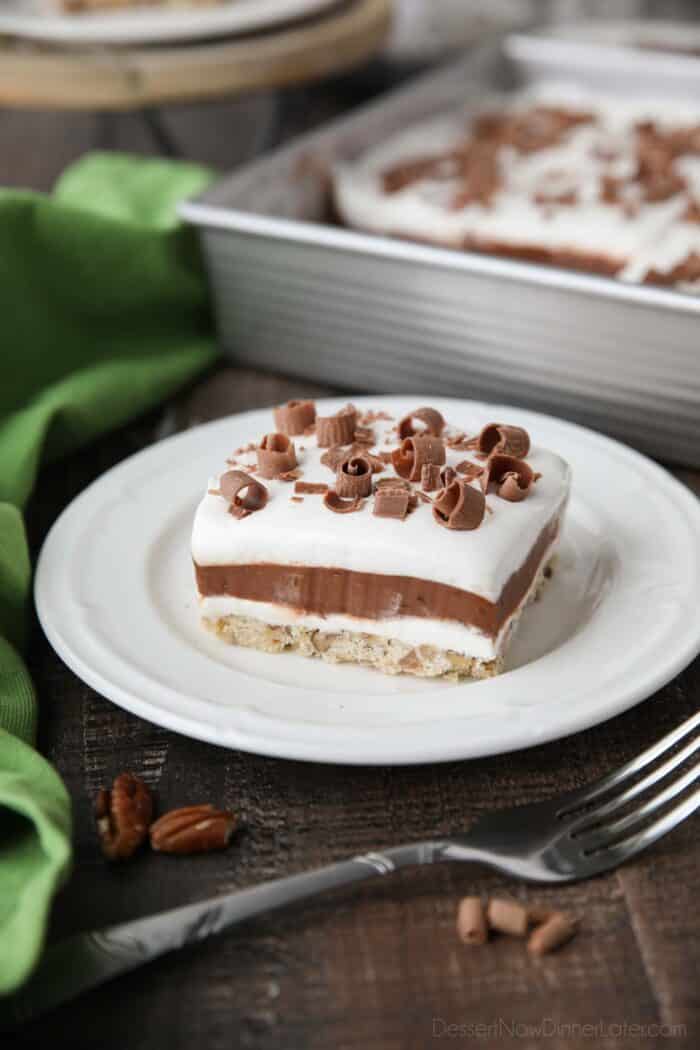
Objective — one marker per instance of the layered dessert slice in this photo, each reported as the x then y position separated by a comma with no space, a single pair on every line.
410,544
554,175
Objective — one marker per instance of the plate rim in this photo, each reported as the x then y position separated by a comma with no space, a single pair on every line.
282,745
144,26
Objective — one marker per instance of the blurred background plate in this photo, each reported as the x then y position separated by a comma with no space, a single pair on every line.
38,20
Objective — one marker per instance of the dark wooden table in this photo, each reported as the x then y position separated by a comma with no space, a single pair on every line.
379,967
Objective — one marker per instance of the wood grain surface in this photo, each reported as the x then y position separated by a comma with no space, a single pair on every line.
380,966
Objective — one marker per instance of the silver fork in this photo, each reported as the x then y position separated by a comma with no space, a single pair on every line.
572,837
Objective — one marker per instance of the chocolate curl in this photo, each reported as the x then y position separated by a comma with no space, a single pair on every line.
413,452
513,477
447,474
276,455
341,506
430,477
294,417
391,503
338,429
459,506
434,423
510,441
244,493
354,477
364,436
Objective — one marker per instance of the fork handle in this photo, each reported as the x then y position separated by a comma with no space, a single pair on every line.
82,962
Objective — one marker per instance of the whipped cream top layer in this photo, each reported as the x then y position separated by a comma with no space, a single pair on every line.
640,235
288,532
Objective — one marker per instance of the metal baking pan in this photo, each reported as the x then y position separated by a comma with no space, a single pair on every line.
295,293
643,52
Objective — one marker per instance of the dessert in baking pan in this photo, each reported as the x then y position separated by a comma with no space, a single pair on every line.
411,545
556,175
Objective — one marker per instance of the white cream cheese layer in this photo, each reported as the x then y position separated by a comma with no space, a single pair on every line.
306,533
652,236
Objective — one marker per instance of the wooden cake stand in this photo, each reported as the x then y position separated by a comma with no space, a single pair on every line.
122,78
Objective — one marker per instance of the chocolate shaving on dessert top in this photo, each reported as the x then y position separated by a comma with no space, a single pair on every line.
692,212
295,417
430,477
513,477
397,484
497,437
339,505
290,475
338,429
296,499
413,452
364,436
373,416
447,474
244,493
276,455
432,420
469,470
688,270
459,506
354,477
391,503
566,198
311,488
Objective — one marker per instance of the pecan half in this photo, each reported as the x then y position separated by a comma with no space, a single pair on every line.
123,815
193,829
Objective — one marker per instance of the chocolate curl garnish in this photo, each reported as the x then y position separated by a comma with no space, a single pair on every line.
430,477
244,493
513,477
311,488
391,503
338,429
276,455
339,505
469,470
459,506
354,477
397,484
434,423
497,437
413,452
447,474
363,436
294,417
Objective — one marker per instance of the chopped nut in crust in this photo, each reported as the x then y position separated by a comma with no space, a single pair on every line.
193,829
123,816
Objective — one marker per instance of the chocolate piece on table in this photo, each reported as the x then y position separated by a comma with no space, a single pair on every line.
433,421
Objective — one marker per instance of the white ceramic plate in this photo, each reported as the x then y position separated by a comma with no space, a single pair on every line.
37,20
619,618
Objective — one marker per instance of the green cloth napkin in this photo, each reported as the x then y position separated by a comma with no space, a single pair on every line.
104,313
